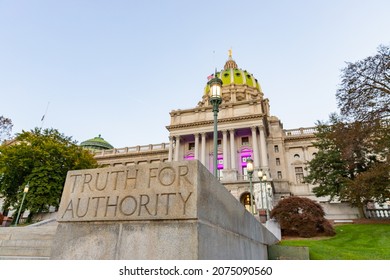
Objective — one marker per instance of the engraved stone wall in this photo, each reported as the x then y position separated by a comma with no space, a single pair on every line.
174,210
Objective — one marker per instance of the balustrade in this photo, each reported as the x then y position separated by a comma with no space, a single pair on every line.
300,131
135,149
377,213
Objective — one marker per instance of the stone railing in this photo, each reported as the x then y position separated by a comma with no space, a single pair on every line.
255,178
242,177
377,213
300,131
131,150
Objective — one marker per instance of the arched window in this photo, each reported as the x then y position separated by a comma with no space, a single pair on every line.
246,201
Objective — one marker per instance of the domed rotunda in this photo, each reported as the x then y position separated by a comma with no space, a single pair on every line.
97,143
237,84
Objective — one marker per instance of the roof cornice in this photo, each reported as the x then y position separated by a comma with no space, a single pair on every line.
211,122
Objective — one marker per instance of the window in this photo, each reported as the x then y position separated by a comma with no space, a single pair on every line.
280,175
219,174
219,165
219,143
245,173
276,149
245,158
244,141
220,162
191,146
297,157
277,161
299,174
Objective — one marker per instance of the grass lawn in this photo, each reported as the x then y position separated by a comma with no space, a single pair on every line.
352,242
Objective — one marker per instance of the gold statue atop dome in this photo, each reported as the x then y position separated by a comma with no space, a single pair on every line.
230,63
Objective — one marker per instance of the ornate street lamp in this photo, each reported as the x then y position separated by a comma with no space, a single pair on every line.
215,99
25,191
263,178
249,169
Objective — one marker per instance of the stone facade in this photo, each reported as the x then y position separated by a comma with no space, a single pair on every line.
245,129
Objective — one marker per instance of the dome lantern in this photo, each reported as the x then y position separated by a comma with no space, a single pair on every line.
230,63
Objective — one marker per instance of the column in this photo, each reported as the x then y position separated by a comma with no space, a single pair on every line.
290,173
255,148
177,148
225,149
305,158
203,149
263,147
305,153
233,153
196,152
170,148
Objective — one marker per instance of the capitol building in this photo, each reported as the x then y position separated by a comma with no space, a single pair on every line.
246,129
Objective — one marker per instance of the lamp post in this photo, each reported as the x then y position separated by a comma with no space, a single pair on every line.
269,189
263,178
215,99
25,191
249,169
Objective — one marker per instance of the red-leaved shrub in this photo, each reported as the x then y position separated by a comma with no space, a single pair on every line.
301,216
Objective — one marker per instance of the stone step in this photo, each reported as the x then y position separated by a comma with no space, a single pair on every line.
27,236
27,243
23,258
25,251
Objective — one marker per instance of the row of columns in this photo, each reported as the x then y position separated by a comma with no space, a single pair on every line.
260,160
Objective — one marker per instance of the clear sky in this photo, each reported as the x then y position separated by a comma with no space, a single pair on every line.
118,67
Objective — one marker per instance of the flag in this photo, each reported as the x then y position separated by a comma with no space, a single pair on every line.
210,77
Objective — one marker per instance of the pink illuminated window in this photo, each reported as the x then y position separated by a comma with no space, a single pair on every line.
245,154
220,161
189,157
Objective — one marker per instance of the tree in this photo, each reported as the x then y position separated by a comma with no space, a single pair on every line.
364,93
301,216
5,128
350,164
353,159
364,100
327,169
42,159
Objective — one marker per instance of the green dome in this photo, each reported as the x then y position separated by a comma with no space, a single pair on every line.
231,74
97,143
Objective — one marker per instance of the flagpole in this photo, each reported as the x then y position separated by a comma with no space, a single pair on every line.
44,115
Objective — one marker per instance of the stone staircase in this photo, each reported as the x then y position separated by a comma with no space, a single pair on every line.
27,243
